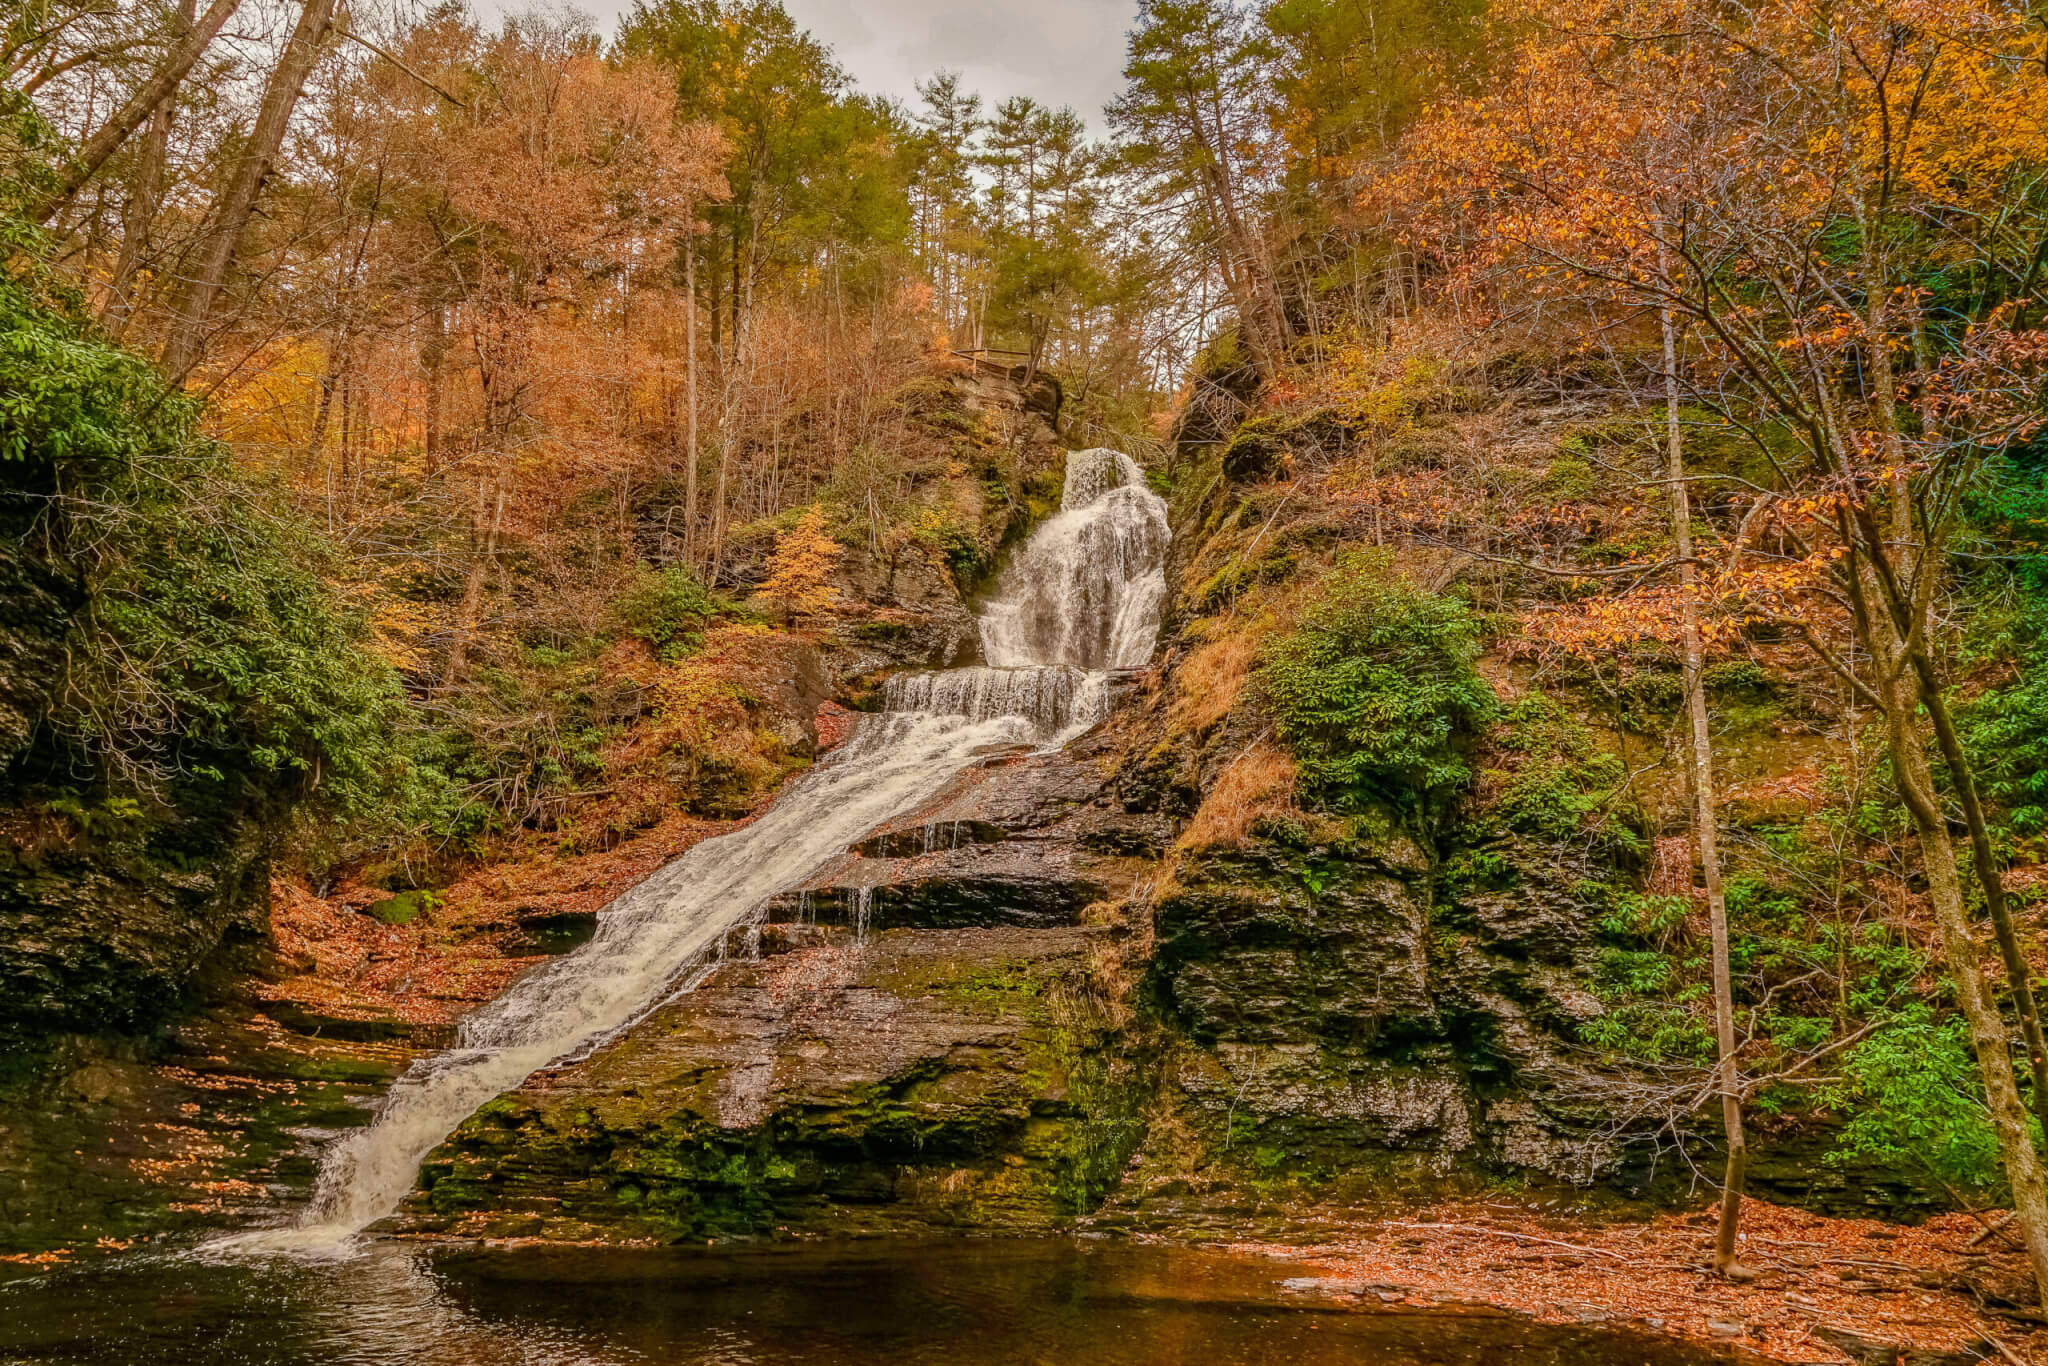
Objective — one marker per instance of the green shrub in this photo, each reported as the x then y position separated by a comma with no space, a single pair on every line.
2005,729
942,531
1652,1031
209,662
1374,689
1561,777
1570,478
2006,732
1911,1093
669,609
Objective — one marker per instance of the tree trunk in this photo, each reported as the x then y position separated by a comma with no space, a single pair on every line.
734,331
1960,950
1906,571
231,213
1984,864
431,356
1258,302
690,402
1706,833
485,520
330,382
145,202
154,94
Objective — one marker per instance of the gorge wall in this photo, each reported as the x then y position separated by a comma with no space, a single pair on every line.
1045,997
1053,994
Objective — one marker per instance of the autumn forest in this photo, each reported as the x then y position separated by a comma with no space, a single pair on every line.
1421,646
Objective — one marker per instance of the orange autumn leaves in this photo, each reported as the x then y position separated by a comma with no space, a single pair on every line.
1777,178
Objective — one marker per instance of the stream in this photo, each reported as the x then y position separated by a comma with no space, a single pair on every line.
983,1303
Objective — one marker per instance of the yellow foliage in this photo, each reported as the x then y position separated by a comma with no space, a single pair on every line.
398,630
1377,388
797,571
703,709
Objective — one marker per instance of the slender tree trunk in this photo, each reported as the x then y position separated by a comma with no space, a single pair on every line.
231,213
717,309
1907,566
1706,832
1984,865
432,354
2009,1118
734,330
486,518
145,202
331,380
145,102
1258,302
690,402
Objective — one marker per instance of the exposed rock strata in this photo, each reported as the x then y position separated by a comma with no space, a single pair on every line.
912,1040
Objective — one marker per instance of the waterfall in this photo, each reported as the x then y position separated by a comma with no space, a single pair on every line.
1085,591
1080,598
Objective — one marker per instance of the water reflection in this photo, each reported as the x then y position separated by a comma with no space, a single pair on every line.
963,1303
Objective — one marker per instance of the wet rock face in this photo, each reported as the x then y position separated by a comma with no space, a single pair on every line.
913,1040
1354,1006
917,1079
1267,946
93,939
213,1125
915,616
1026,839
36,604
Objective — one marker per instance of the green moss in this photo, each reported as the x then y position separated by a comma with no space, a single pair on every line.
1569,478
1561,781
1007,983
405,908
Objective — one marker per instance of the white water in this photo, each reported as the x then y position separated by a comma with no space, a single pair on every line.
1085,590
1082,597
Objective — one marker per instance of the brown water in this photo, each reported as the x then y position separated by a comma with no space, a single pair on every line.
1032,1303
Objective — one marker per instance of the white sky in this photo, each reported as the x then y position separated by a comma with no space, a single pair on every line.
1056,51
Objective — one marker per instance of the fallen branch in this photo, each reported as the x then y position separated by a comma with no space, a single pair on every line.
2003,1350
1990,1230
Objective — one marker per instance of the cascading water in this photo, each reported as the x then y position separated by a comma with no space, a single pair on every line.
1081,599
1085,590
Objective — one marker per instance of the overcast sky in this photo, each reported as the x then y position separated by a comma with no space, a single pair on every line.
1056,51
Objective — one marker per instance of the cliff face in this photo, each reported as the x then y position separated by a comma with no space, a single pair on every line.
990,1014
920,1037
1055,995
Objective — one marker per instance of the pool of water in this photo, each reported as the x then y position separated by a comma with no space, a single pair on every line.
965,1304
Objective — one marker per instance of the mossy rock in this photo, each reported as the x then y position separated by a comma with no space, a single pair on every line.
925,395
404,908
1257,448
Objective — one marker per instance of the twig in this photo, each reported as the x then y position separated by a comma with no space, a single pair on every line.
400,63
1990,1230
2003,1350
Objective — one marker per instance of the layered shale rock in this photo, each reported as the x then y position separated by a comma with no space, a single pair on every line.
915,1039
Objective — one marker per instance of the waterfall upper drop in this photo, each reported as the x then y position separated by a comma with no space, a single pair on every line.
1085,591
1080,599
